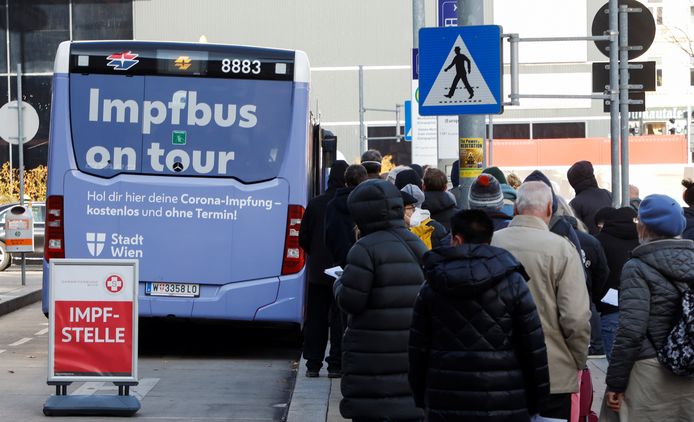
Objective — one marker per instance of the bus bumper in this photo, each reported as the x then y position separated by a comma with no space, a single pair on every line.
277,299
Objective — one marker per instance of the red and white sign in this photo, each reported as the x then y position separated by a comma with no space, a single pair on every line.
93,320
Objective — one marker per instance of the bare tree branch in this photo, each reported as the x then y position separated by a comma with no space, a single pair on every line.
681,38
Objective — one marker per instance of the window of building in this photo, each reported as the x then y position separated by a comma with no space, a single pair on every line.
659,77
511,131
559,130
3,52
36,90
36,30
394,152
102,19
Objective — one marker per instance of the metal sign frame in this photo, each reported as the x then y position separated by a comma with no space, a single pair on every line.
122,265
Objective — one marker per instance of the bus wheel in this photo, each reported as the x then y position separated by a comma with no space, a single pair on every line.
5,258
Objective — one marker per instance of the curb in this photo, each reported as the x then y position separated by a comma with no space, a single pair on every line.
12,303
309,401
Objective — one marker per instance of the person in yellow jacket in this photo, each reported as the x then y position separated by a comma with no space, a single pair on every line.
429,231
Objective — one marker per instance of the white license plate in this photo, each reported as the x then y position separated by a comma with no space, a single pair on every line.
172,289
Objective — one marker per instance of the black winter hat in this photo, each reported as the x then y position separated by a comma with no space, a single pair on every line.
497,173
418,169
336,180
407,177
582,176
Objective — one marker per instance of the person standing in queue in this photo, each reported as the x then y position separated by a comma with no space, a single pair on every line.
377,291
477,351
322,316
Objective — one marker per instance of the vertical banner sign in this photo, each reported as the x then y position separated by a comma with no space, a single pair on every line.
93,320
423,133
471,156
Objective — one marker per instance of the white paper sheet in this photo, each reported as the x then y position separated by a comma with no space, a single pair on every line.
611,297
334,272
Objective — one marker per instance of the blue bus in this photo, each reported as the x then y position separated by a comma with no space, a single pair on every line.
194,159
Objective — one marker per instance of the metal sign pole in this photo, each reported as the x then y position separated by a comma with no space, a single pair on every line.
20,136
614,103
470,12
362,131
624,98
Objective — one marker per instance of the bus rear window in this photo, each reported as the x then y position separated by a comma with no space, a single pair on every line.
191,126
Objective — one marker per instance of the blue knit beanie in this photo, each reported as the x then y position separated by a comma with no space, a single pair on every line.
662,215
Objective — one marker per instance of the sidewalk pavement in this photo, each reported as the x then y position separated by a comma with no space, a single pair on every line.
12,294
318,399
313,399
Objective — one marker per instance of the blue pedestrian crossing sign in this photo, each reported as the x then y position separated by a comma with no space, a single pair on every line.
460,70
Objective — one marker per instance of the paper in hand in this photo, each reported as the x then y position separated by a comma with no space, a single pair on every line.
334,272
611,297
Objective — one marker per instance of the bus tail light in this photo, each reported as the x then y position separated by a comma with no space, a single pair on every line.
54,246
294,257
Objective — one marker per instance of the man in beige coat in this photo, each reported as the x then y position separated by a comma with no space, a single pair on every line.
558,286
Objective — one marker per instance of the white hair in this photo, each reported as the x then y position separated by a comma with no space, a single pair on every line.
533,196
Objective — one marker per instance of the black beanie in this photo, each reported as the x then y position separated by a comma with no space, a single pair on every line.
408,177
497,173
581,176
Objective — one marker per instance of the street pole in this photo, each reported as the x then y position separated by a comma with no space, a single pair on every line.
362,131
418,15
20,139
417,21
688,128
624,98
470,12
614,103
491,142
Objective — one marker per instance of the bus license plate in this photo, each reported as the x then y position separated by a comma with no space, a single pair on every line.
172,289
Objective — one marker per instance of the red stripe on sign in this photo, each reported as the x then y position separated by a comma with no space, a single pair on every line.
94,337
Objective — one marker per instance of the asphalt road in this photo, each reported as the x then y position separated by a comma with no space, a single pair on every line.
189,371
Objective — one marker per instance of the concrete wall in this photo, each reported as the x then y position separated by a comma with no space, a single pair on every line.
340,35
337,36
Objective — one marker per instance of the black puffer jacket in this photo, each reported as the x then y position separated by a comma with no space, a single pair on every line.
377,290
589,197
312,231
339,227
689,229
649,303
441,205
594,262
618,238
477,351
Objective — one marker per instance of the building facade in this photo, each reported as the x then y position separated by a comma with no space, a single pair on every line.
340,36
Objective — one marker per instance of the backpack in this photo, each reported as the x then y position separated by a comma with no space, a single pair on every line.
677,353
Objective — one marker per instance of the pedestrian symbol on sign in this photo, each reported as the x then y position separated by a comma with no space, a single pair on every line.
445,87
114,283
459,62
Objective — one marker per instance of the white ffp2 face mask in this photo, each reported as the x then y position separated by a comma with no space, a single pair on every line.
418,216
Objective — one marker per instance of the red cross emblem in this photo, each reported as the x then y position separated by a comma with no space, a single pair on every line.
114,283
